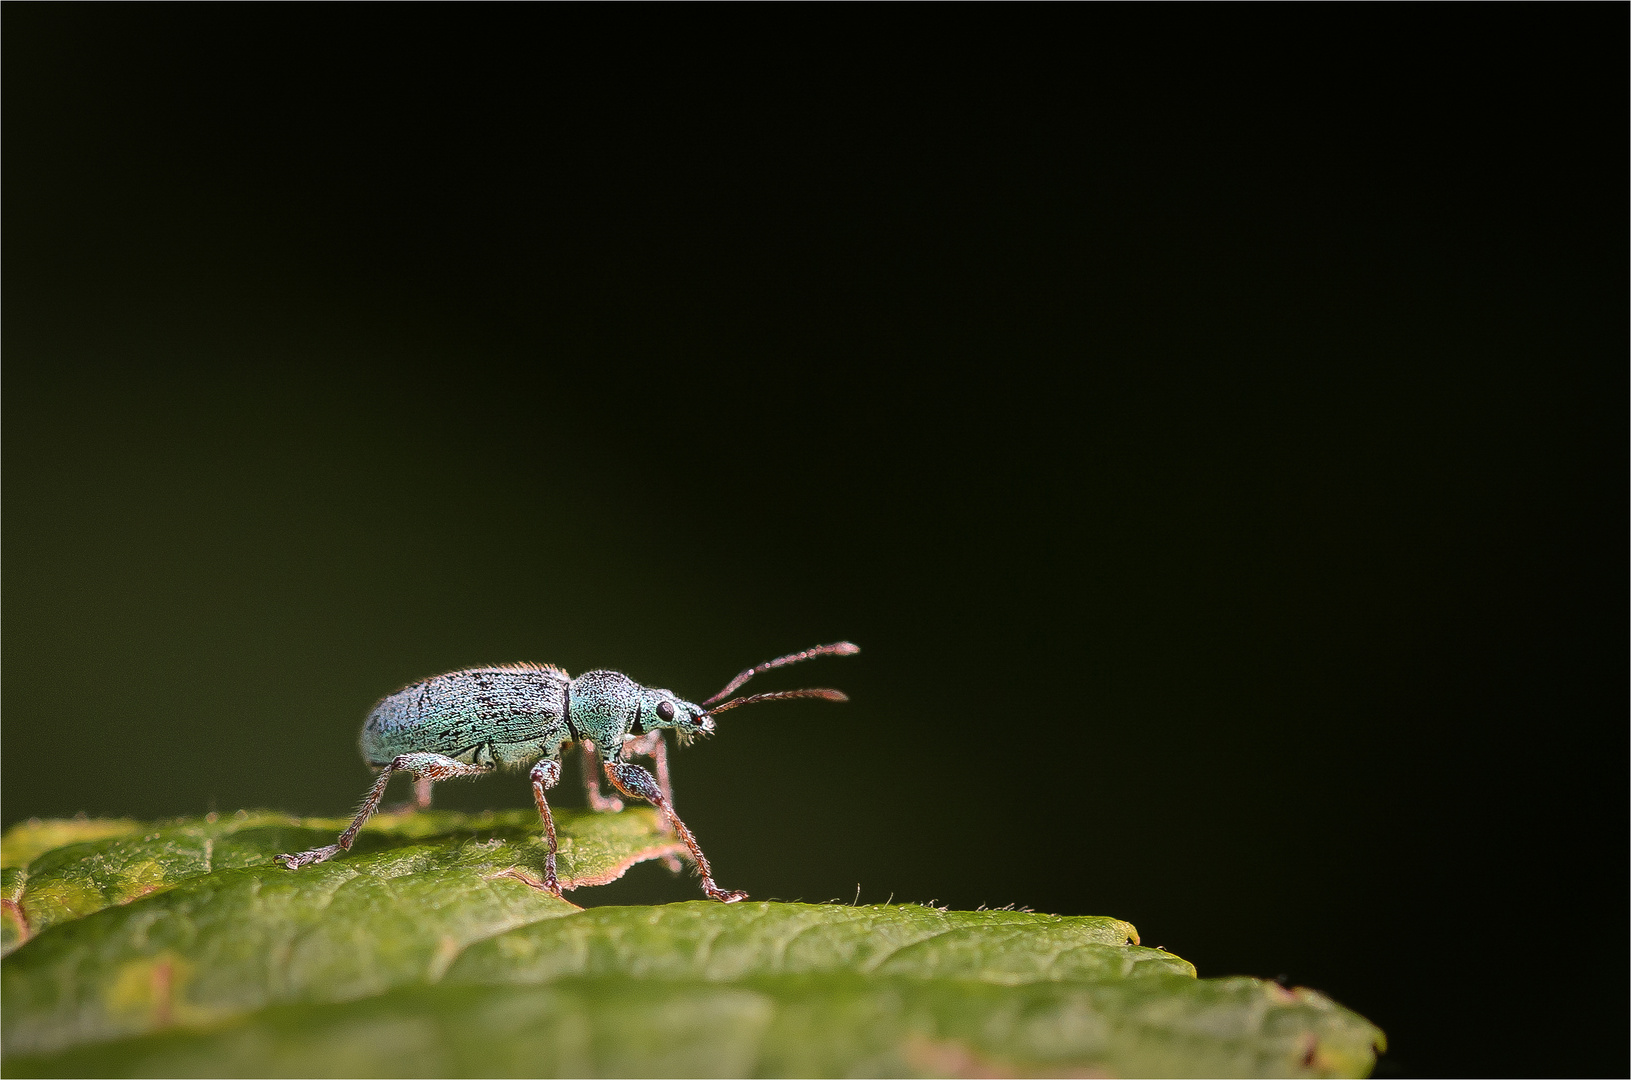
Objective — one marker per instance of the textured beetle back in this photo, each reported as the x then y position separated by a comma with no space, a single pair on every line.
506,714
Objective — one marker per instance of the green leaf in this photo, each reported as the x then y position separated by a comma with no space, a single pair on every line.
63,870
182,950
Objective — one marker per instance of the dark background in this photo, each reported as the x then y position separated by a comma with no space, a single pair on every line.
1211,424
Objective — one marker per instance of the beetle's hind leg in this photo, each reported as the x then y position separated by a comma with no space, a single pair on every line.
636,783
425,768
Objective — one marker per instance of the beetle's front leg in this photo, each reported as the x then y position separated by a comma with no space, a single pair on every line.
651,745
424,767
654,746
636,783
545,775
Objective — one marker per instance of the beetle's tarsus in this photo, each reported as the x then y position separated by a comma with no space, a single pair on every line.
309,858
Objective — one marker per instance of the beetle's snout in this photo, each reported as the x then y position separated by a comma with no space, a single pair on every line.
693,723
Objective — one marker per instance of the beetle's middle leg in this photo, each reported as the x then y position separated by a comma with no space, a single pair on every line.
426,768
636,783
544,776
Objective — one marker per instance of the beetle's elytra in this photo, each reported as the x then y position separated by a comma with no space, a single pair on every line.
521,716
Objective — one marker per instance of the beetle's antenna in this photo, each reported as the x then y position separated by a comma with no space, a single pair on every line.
779,695
838,648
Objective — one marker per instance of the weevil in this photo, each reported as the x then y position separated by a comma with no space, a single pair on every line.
522,716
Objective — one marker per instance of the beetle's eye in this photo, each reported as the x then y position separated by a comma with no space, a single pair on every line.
665,710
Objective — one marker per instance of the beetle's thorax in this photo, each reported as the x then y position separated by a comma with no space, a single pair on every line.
603,706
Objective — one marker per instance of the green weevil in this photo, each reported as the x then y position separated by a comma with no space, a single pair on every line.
521,716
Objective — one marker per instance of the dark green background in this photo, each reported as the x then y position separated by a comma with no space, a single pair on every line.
1211,429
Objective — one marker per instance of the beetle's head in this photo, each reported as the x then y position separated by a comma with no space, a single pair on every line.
662,709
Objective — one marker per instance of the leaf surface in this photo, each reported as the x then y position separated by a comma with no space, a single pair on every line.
181,949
